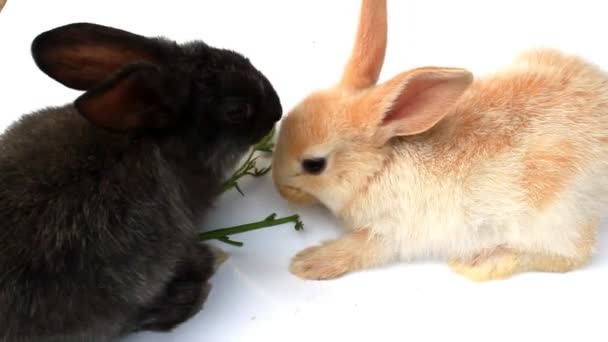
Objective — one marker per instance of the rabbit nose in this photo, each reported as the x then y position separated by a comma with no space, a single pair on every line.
276,114
276,109
296,196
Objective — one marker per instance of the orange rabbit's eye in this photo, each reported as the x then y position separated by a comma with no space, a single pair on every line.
314,166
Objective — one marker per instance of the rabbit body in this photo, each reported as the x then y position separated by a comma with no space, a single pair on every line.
94,274
100,200
499,175
518,162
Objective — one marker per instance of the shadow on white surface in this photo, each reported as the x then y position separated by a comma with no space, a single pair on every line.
302,45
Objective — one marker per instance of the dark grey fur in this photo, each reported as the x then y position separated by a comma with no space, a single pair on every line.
98,210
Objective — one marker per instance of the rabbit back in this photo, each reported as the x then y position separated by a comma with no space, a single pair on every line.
518,161
85,241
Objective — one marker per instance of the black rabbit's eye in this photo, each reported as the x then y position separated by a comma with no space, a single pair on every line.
237,112
314,166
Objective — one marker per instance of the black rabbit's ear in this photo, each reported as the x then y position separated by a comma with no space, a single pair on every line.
139,96
82,55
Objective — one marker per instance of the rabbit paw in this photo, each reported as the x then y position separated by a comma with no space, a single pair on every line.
185,294
181,301
321,262
494,264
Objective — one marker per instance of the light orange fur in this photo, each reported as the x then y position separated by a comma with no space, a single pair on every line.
332,259
548,169
502,262
367,56
503,169
2,3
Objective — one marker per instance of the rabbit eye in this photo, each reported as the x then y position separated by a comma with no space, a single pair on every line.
238,112
314,166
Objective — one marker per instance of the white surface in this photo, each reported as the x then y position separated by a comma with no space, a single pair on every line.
302,45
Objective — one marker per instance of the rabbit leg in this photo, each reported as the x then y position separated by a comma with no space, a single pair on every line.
502,262
184,295
357,250
490,264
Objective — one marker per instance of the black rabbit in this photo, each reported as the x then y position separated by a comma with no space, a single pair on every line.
100,200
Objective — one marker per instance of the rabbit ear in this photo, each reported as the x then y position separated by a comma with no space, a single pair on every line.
414,101
81,55
2,2
367,56
139,96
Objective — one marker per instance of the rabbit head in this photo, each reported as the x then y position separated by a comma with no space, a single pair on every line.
195,98
333,140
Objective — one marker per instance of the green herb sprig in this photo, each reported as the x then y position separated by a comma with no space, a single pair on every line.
272,220
249,168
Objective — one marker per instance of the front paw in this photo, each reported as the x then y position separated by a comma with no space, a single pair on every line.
321,263
180,302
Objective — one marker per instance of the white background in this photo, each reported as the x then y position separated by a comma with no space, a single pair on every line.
302,45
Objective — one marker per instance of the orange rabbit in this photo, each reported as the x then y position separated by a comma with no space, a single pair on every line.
500,175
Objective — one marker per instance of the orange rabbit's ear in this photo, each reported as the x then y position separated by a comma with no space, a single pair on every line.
414,101
365,63
2,2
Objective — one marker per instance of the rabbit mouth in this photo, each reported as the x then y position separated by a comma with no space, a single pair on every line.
295,195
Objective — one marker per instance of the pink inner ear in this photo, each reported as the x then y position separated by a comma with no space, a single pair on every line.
120,106
96,63
414,97
414,101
